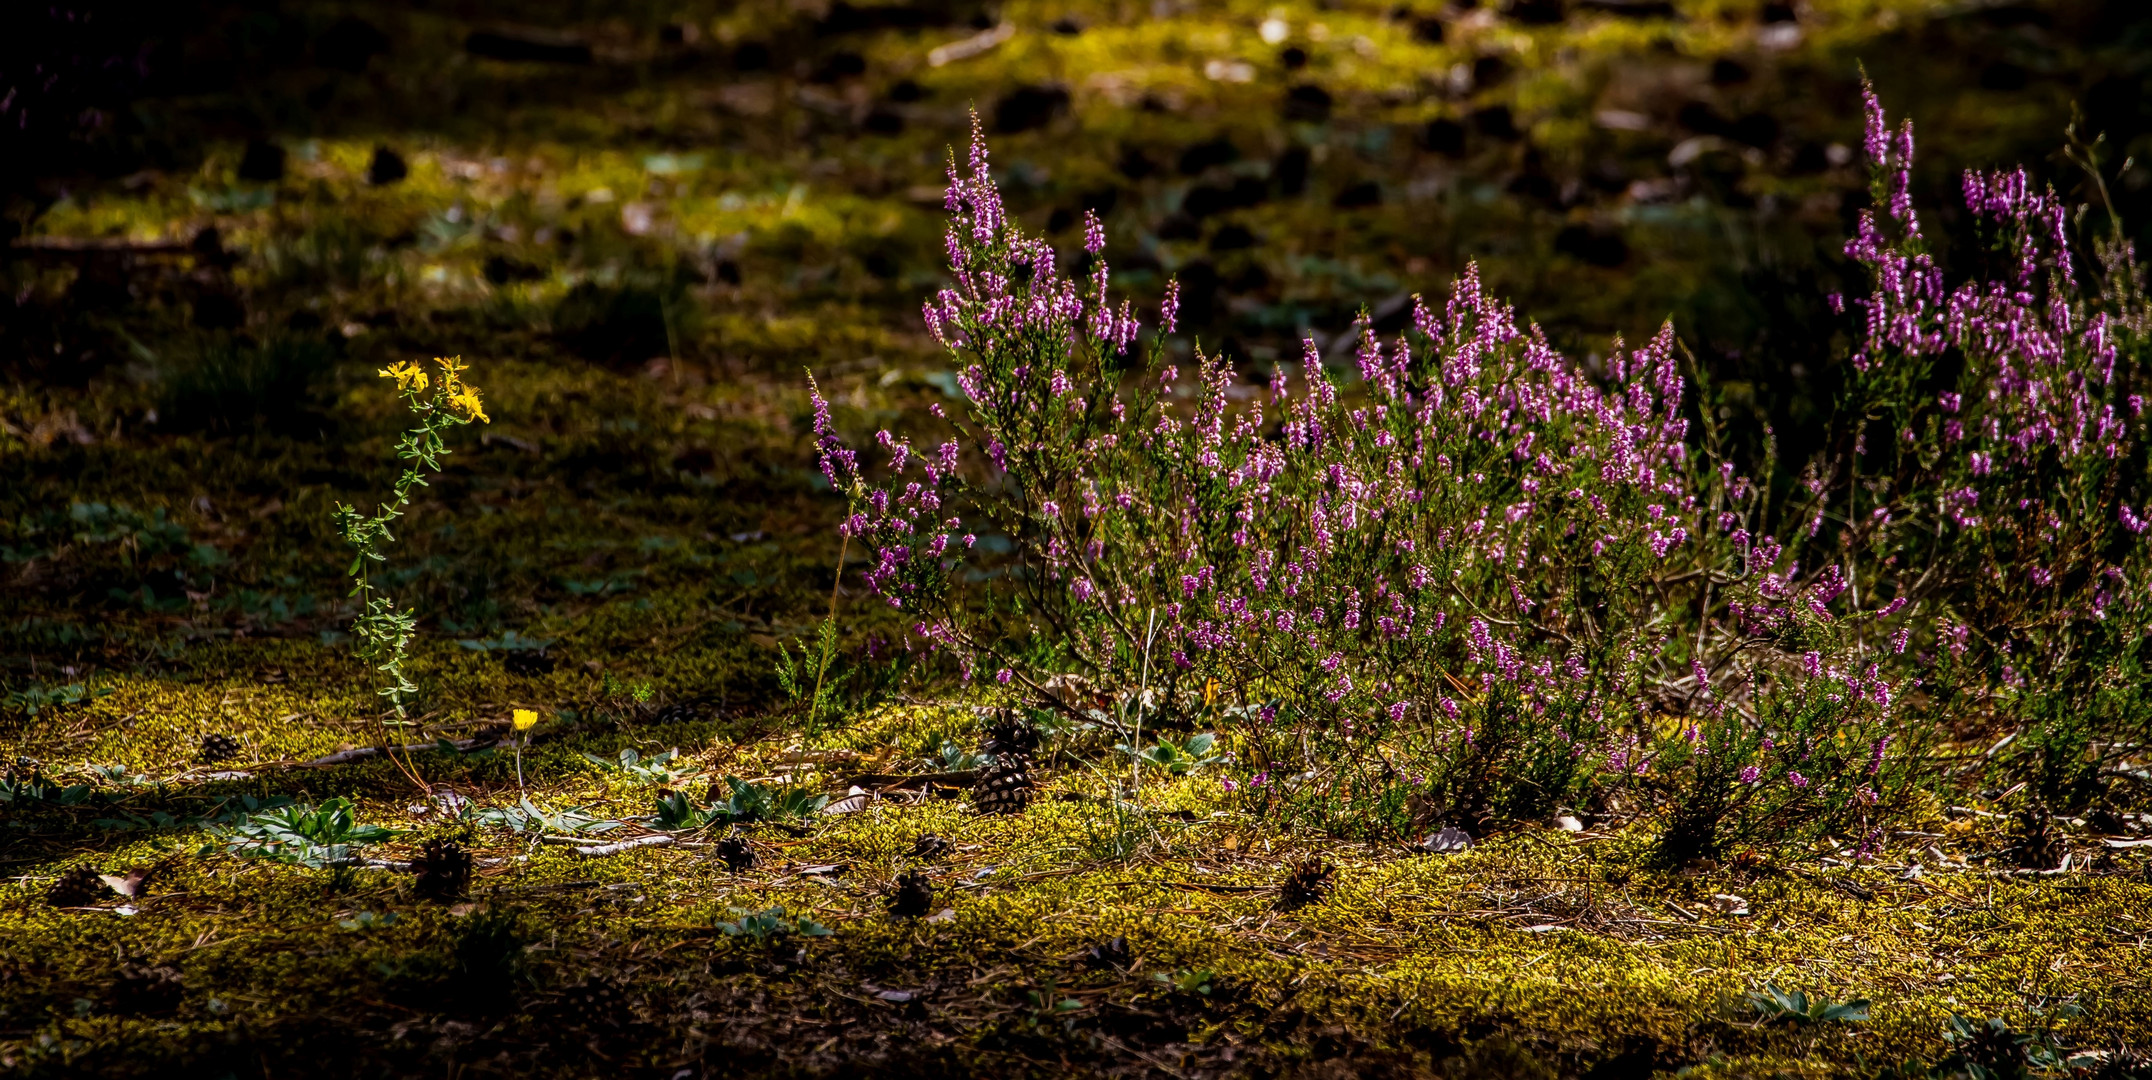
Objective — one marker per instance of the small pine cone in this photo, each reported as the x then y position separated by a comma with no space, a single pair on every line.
1008,735
913,896
2040,844
1308,884
444,869
1004,787
80,886
930,846
219,747
146,989
736,853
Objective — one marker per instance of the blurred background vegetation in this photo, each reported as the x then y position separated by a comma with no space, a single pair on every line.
633,177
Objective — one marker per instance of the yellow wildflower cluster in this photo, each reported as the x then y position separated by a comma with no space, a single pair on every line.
410,378
459,395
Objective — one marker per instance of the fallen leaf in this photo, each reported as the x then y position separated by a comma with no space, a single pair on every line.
854,801
130,885
1447,841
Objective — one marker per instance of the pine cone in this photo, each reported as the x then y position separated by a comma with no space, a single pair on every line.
2040,844
1009,734
444,869
1006,785
145,989
219,747
1309,883
913,897
80,886
736,854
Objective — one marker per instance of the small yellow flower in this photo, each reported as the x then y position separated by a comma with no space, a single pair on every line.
526,719
465,401
408,376
450,365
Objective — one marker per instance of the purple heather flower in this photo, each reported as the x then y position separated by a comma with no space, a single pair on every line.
1875,757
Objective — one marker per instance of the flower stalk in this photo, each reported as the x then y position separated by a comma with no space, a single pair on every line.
384,631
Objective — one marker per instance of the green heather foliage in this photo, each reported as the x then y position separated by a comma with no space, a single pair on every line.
1483,580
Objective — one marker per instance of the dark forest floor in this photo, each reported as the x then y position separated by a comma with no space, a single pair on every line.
639,227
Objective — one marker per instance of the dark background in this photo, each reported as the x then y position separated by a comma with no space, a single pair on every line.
1611,164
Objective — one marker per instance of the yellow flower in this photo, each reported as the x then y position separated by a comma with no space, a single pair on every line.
526,719
450,365
465,401
408,376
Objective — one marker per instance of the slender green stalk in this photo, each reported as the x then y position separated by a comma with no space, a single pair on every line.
1143,687
829,638
383,630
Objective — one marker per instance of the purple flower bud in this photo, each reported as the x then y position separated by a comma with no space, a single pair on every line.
1094,233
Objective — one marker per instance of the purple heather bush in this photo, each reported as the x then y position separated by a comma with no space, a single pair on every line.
1470,576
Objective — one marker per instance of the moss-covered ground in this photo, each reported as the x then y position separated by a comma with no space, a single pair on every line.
638,246
1538,952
